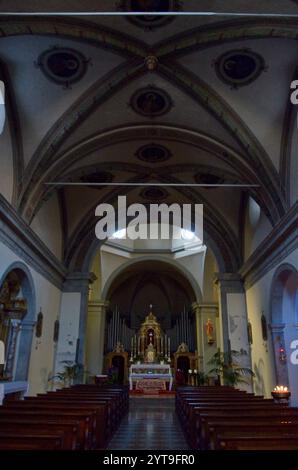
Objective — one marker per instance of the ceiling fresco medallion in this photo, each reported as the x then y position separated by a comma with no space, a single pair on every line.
154,194
151,101
62,65
150,22
208,178
97,177
153,153
239,67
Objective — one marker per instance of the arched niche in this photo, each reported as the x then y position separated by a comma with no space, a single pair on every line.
284,326
17,310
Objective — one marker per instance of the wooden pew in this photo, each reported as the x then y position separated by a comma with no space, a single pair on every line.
257,443
82,417
11,441
97,434
25,426
85,420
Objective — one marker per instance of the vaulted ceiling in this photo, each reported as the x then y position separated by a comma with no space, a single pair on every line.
194,99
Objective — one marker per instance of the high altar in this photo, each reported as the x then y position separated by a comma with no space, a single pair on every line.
151,348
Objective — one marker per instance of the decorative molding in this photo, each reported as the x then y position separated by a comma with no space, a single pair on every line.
16,234
289,126
223,32
255,155
15,133
280,242
83,107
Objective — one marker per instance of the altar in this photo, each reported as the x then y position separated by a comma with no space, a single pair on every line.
150,376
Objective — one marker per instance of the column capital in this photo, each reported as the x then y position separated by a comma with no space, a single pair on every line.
77,281
232,282
277,327
211,307
98,304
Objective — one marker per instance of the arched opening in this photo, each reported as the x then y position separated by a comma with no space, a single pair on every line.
17,311
145,283
285,327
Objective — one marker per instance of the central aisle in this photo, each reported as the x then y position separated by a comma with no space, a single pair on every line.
150,424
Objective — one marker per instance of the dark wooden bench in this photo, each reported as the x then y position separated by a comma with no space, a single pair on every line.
11,441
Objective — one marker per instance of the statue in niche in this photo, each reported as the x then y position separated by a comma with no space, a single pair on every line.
264,327
183,348
150,354
56,331
249,333
119,348
39,324
210,331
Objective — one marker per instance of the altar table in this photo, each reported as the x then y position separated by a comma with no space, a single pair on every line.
150,372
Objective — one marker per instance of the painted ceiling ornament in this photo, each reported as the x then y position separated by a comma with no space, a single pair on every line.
209,178
239,67
154,193
63,65
153,153
97,177
151,63
151,101
149,22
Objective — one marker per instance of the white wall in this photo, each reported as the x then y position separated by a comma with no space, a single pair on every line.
69,329
48,300
6,173
258,300
256,227
47,225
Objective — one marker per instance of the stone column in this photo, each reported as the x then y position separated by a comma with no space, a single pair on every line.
200,351
12,345
233,312
73,319
278,342
24,349
208,311
96,323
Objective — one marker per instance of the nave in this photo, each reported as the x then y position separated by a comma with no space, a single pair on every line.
151,424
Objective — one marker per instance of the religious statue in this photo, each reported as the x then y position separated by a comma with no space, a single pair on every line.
183,348
210,331
150,354
119,348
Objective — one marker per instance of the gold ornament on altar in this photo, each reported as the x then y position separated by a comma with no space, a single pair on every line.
150,354
182,348
119,348
150,343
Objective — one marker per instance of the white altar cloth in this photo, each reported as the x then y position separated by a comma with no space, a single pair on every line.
150,371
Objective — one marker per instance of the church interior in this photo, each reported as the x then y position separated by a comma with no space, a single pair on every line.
141,335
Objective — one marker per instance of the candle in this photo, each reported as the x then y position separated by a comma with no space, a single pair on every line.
280,389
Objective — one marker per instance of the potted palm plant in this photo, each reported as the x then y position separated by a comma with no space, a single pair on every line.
226,366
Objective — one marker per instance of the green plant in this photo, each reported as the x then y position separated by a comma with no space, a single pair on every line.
72,371
202,378
226,366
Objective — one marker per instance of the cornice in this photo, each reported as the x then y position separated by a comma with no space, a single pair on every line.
280,242
23,241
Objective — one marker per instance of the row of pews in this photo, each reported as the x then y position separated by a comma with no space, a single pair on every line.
82,417
223,418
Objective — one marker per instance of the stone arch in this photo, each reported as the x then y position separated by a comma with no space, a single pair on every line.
284,325
22,360
156,257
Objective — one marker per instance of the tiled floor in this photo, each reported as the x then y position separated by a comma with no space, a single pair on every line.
150,424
